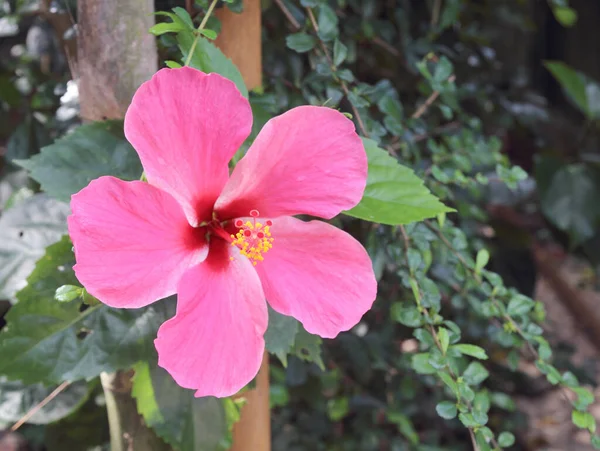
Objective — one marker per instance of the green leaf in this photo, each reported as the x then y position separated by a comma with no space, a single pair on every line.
444,338
173,64
16,399
584,420
301,42
571,201
584,398
340,51
446,409
328,23
394,194
26,230
184,16
308,347
166,27
404,425
475,374
443,70
67,293
566,16
91,151
420,363
449,381
208,58
407,315
471,350
482,259
506,439
280,335
338,408
210,34
579,88
49,341
185,422
519,305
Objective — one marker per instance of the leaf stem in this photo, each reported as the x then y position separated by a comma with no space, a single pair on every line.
198,31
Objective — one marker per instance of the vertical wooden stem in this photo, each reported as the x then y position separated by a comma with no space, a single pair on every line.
240,39
115,54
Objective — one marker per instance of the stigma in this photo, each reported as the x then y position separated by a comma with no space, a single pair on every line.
253,238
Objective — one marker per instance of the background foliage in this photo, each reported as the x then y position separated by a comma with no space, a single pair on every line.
435,365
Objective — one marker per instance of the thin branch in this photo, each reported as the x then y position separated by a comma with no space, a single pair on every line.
473,441
200,28
361,124
384,45
435,14
39,406
289,16
432,98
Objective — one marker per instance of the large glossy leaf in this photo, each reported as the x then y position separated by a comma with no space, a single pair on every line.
571,201
579,88
91,151
208,58
185,422
25,232
280,335
49,341
394,194
16,399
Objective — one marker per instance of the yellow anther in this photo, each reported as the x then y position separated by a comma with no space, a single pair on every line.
253,240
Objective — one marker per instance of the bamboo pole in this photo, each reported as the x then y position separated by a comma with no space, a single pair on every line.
240,39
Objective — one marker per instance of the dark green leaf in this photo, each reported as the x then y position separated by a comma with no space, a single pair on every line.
420,363
25,231
340,51
407,315
280,335
328,23
475,374
446,409
519,305
394,194
91,151
579,88
571,201
49,341
300,42
185,422
308,347
506,439
472,350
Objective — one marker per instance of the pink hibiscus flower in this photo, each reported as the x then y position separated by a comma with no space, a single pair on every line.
226,244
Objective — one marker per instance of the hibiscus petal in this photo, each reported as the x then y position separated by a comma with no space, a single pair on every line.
132,242
186,125
309,160
318,274
215,344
